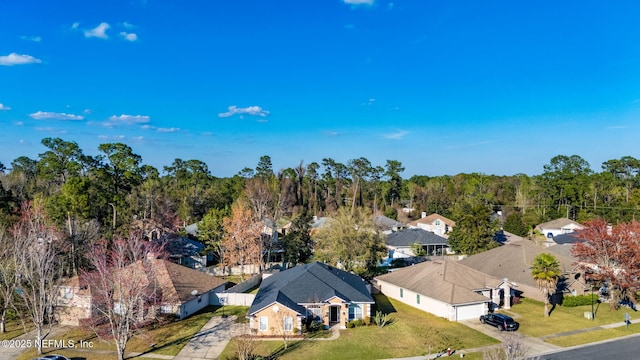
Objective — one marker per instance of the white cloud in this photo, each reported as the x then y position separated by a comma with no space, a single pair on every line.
127,25
129,36
75,25
31,38
249,110
168,130
396,135
111,137
46,115
358,2
127,120
99,31
4,107
50,130
18,59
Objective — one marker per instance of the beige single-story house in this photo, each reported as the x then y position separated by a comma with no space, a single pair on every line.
315,291
184,291
445,288
513,261
558,226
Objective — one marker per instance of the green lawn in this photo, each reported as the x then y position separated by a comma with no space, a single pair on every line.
593,336
406,336
530,314
167,339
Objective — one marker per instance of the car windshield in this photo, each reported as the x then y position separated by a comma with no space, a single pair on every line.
509,321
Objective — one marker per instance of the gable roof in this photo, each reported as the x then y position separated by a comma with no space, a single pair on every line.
443,280
559,224
310,283
431,218
408,237
513,261
176,282
568,238
387,223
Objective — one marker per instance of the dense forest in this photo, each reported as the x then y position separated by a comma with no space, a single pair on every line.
67,213
98,197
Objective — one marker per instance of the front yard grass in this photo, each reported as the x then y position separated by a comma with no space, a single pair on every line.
167,339
405,336
594,336
530,314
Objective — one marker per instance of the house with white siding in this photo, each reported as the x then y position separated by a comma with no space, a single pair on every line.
446,289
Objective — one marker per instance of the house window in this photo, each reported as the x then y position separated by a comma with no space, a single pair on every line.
355,311
263,324
315,311
418,299
401,292
437,222
288,323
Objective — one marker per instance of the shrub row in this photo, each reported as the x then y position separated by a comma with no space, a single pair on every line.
579,300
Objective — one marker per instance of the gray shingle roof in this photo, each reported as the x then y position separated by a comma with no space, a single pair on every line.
311,283
411,236
447,281
513,260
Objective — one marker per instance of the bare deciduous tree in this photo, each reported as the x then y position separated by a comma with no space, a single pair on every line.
123,288
514,347
37,246
8,277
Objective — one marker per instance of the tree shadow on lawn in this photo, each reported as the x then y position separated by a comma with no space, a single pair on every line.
293,345
383,304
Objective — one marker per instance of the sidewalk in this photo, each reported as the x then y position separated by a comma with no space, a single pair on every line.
537,346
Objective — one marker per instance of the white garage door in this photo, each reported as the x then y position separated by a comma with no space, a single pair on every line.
466,312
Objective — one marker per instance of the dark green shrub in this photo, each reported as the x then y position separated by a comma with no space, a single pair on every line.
580,300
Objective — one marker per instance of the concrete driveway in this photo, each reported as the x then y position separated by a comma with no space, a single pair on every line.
209,342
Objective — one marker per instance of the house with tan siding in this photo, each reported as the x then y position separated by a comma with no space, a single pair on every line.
317,291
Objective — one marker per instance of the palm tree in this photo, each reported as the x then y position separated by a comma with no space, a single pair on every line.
545,270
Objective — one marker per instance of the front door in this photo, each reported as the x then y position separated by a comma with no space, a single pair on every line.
334,314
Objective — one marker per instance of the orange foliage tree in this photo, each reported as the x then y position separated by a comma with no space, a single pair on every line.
242,241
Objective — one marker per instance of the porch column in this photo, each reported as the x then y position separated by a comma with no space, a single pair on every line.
507,293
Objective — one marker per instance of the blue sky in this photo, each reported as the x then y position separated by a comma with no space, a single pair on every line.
495,87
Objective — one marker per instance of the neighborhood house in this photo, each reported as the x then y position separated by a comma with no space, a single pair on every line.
314,291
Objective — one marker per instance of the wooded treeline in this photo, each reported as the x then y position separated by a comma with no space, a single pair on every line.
115,188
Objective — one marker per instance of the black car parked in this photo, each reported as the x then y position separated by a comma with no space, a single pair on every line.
502,322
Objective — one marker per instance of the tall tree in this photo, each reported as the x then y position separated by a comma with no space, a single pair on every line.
515,225
297,242
265,168
474,230
123,287
545,270
566,178
211,230
350,241
37,244
393,168
63,160
242,242
8,276
360,169
120,172
626,170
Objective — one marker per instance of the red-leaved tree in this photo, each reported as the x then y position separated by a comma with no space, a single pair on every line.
611,253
